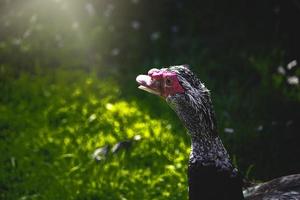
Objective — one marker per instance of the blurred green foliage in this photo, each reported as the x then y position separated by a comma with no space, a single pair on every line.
67,70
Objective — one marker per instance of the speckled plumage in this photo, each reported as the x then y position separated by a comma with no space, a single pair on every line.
195,110
211,174
283,188
208,154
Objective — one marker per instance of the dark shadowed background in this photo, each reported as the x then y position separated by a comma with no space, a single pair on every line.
73,124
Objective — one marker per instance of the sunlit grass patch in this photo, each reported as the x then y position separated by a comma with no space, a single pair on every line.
51,125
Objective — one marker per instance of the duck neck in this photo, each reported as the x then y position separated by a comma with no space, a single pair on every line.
209,150
211,174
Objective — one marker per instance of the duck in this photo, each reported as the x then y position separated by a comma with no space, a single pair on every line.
211,173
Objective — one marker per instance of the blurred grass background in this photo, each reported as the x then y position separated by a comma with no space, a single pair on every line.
67,82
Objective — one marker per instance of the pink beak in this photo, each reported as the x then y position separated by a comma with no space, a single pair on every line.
149,83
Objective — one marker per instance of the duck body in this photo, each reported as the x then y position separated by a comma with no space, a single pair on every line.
283,188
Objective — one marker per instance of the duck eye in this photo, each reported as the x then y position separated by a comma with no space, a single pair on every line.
168,81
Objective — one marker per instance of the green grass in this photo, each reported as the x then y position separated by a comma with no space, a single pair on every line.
50,126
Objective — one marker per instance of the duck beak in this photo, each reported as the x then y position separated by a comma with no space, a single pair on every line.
147,84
